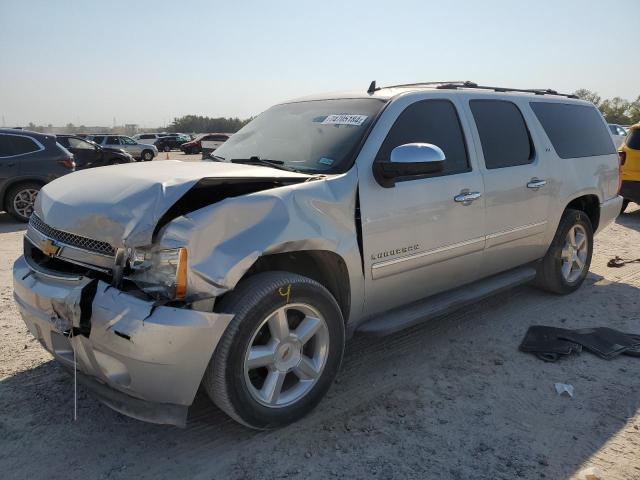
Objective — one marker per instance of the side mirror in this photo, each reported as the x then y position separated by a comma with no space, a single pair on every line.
409,160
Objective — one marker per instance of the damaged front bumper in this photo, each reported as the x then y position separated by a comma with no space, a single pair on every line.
143,360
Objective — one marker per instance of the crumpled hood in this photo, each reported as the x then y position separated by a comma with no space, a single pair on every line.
122,204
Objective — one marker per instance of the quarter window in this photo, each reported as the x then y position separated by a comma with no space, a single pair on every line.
574,130
430,121
503,133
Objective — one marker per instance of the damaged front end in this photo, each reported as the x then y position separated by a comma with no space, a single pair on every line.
126,274
141,359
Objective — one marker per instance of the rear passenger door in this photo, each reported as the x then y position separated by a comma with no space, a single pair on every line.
8,163
516,180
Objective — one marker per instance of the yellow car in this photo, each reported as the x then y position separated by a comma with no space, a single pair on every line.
630,166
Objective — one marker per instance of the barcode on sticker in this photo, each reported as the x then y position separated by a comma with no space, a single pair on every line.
344,119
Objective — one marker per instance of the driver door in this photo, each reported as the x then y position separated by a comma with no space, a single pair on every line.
419,238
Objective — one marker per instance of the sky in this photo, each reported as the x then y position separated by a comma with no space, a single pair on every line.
146,62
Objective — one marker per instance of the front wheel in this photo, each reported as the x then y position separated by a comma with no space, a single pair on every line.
147,156
280,353
566,264
167,148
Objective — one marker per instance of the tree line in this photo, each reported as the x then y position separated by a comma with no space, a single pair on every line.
200,124
615,110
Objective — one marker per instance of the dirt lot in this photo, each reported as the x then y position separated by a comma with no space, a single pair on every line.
450,399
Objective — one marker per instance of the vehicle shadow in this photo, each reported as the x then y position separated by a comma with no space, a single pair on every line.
9,224
631,217
452,398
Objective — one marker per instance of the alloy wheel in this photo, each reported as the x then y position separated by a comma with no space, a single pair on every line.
574,253
24,201
286,355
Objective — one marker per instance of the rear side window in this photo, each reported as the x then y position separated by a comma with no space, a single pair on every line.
78,144
633,140
574,130
430,121
17,145
503,133
98,139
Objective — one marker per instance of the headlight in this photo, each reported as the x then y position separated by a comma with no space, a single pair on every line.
160,272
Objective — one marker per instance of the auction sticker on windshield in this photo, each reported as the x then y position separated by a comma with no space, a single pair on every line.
344,119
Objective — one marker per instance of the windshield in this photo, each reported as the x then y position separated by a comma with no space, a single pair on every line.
314,136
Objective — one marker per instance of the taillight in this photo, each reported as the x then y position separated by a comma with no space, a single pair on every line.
622,157
68,163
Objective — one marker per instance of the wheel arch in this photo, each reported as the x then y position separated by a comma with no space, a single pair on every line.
324,266
589,204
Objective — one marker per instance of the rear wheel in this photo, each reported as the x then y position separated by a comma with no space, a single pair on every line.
280,353
20,200
166,148
566,264
147,156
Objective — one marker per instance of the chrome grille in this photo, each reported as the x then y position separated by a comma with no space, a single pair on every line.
70,239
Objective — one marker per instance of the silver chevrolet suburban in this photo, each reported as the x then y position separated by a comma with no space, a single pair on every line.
363,211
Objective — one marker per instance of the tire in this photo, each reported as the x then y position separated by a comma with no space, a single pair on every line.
166,148
558,273
16,197
235,387
625,204
147,156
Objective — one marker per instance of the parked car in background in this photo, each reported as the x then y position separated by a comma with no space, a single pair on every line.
139,151
169,143
152,137
88,154
211,142
28,160
214,141
364,211
630,161
618,133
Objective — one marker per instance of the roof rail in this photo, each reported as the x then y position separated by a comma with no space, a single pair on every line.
428,84
456,84
536,91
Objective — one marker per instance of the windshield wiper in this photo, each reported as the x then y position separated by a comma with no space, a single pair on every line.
255,160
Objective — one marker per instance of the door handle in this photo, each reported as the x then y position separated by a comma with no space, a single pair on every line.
536,183
466,197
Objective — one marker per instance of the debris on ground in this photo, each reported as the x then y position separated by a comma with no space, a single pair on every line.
564,389
550,343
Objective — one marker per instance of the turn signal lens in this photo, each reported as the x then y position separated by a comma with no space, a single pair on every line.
181,275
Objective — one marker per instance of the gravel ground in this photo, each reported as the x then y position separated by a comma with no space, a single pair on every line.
449,399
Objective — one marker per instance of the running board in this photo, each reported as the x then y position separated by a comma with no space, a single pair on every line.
445,302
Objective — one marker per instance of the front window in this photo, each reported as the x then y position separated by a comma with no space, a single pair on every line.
313,136
127,141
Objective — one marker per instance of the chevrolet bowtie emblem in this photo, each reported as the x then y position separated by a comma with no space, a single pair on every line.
49,248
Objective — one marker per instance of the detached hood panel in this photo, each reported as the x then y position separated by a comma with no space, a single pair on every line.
122,204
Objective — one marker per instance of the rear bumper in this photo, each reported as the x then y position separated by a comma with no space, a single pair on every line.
630,190
142,360
609,211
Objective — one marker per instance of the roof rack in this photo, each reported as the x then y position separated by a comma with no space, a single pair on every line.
454,85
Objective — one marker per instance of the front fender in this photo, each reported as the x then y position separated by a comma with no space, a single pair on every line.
227,238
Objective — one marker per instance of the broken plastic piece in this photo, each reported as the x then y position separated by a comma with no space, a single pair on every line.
564,389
